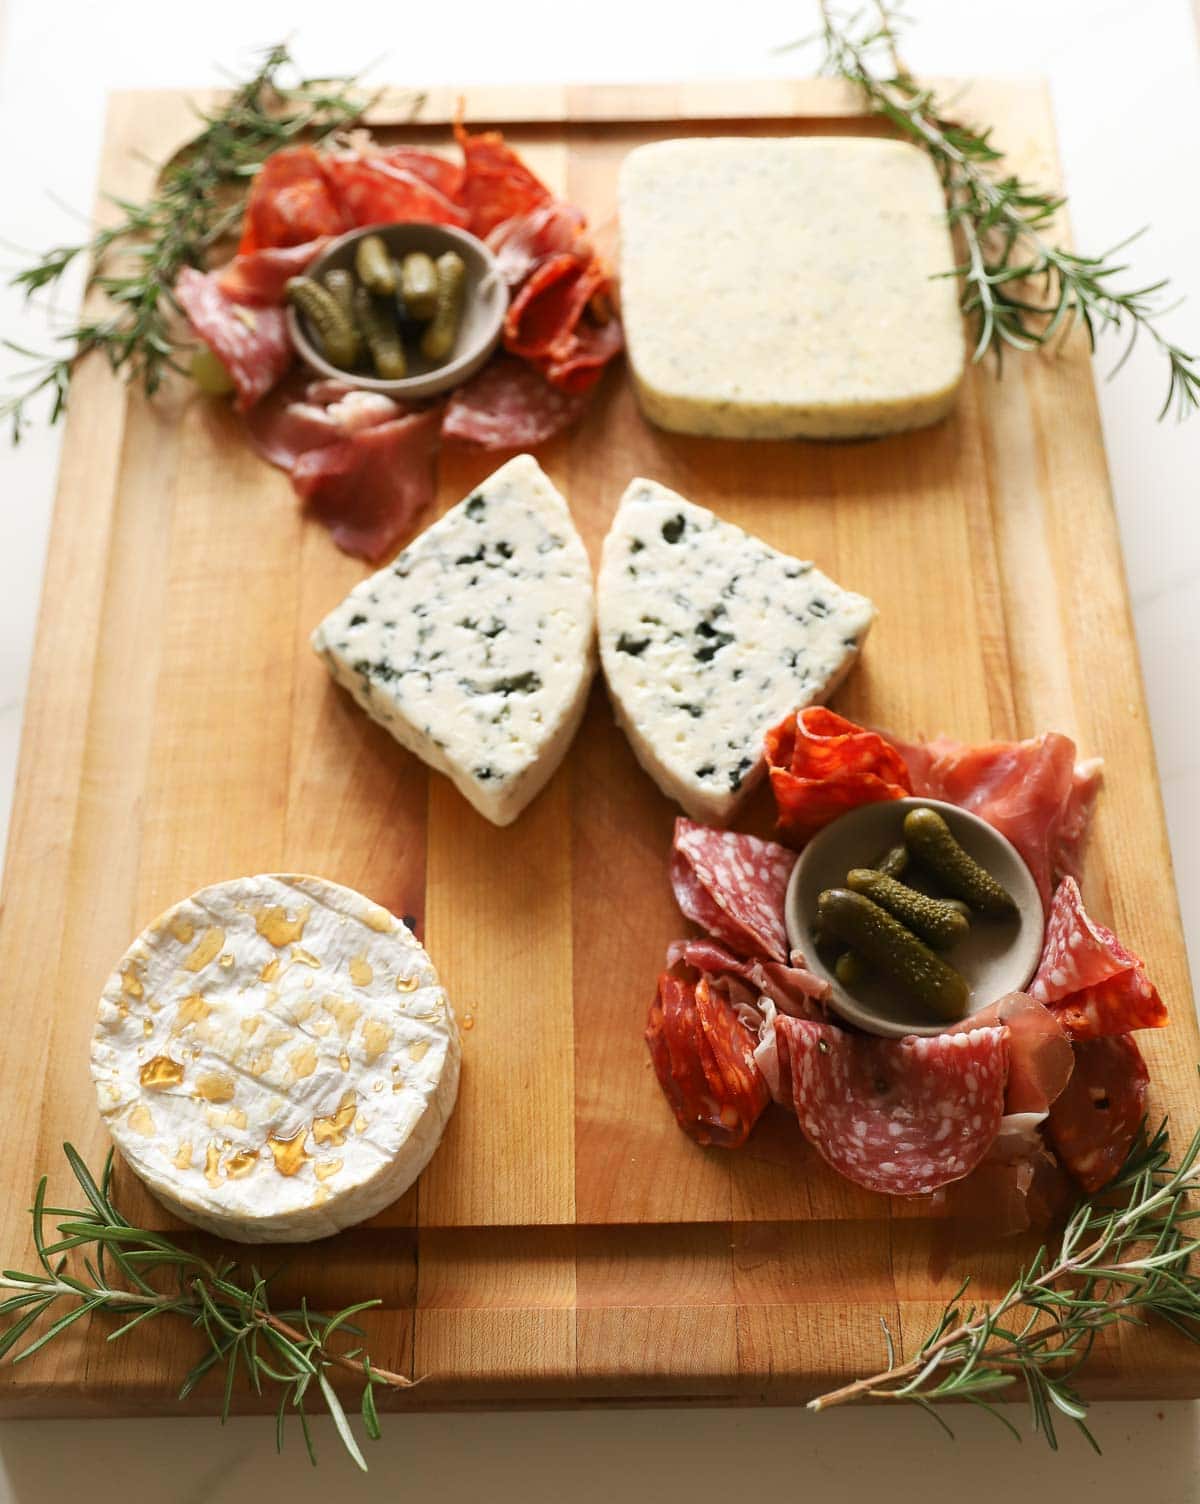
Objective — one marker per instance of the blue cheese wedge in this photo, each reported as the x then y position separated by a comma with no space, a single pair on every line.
476,647
708,637
788,288
275,1058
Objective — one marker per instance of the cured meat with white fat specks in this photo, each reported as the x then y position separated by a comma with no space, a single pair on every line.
900,1116
733,886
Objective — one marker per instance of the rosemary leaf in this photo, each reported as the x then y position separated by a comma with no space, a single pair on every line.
1020,289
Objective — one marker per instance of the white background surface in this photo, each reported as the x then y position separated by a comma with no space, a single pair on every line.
1126,79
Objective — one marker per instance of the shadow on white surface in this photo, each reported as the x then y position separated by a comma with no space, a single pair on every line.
592,1458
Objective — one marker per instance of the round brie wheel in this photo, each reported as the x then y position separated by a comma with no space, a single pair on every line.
275,1058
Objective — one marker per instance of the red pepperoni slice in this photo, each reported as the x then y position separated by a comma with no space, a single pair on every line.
290,202
260,277
496,183
509,405
897,1116
439,172
823,765
378,190
541,318
733,886
704,1059
582,364
1088,979
251,343
1093,1124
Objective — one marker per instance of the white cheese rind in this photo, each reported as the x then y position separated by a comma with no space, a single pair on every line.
708,637
275,1058
475,647
780,288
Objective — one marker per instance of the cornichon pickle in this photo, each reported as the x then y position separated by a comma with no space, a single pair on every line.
893,951
936,921
930,840
374,266
333,332
850,969
894,862
438,339
339,283
378,328
419,285
210,374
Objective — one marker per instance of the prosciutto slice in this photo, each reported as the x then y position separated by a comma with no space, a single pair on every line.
1034,792
1040,1055
902,1117
260,278
370,486
251,343
524,240
793,989
733,886
1088,979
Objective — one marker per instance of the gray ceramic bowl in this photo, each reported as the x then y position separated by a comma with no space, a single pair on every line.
999,955
485,302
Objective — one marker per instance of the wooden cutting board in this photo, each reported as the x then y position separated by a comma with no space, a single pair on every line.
567,1242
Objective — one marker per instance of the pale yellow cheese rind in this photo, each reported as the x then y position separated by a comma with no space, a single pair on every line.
785,288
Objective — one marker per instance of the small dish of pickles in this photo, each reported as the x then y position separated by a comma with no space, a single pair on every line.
917,913
406,309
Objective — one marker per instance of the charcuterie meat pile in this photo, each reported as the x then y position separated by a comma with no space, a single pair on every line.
988,1113
367,469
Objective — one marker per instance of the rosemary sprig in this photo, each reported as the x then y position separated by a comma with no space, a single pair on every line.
1122,1259
143,1276
1019,288
198,200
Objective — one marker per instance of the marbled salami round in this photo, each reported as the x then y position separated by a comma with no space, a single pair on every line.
898,1116
733,885
509,405
1088,979
1093,1123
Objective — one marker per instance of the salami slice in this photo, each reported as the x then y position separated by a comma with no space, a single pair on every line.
1089,980
496,183
1093,1124
579,366
380,189
704,1059
290,202
733,886
542,316
822,765
897,1116
251,343
509,405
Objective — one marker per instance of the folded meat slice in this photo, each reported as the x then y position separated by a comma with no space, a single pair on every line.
703,1056
898,1116
1034,792
1094,1122
509,404
793,989
1088,979
370,486
522,241
260,278
733,886
251,343
1040,1055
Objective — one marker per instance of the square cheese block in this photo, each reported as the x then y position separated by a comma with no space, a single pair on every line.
708,637
475,647
777,289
